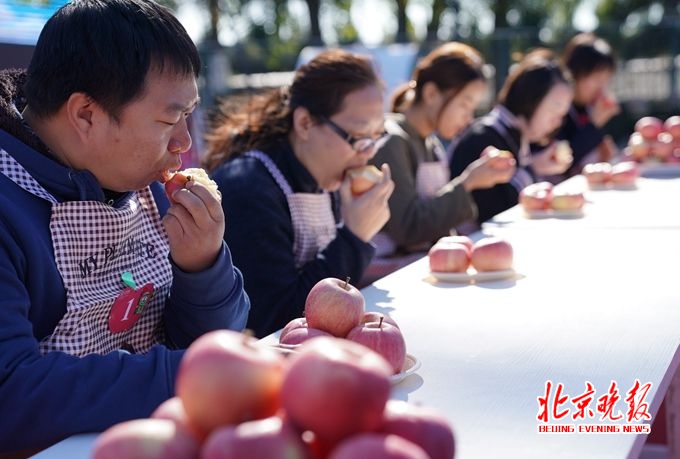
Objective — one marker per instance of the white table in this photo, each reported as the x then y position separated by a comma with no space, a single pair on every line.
596,299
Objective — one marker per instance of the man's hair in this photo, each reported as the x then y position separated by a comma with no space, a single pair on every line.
105,49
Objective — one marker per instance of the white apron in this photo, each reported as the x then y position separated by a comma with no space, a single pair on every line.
96,247
311,213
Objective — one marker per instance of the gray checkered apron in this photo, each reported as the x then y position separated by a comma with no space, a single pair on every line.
93,245
311,213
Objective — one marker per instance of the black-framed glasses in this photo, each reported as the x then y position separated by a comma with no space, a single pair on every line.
358,144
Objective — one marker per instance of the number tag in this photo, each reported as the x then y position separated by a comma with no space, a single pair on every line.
129,307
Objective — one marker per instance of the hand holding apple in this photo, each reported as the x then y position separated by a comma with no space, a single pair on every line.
364,178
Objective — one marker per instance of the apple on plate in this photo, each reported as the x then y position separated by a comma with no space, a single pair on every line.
566,200
625,173
491,254
373,316
377,446
270,438
364,178
649,127
147,439
336,388
449,257
672,126
457,239
301,334
638,148
536,196
597,173
334,306
384,338
225,377
291,325
663,147
173,409
423,426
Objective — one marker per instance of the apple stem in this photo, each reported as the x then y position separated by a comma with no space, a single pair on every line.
346,283
380,323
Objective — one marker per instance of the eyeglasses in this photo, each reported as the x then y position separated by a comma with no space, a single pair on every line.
358,144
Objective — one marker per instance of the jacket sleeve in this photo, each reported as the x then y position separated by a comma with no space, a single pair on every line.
204,301
415,220
260,235
46,398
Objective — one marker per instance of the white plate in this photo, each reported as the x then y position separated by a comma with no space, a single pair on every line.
551,213
473,276
411,365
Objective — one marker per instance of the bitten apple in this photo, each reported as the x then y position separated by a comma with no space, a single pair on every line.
491,254
334,306
364,178
565,199
335,388
270,438
225,377
384,338
377,446
423,426
536,196
449,257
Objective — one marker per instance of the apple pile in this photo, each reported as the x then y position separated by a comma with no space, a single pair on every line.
239,399
623,174
542,197
456,254
655,139
336,308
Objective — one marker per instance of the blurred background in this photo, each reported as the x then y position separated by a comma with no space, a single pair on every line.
248,45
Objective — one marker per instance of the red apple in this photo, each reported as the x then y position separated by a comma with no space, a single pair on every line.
270,438
567,199
663,147
173,409
298,322
335,388
364,178
672,126
301,334
423,426
334,306
377,446
176,182
536,196
625,173
638,149
449,257
649,127
225,377
145,439
491,254
383,338
372,316
457,239
597,173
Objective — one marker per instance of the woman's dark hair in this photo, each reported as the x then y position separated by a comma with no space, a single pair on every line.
261,119
450,67
105,49
530,81
585,53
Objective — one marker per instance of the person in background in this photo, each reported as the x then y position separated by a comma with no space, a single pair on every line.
447,86
281,163
531,105
102,281
591,63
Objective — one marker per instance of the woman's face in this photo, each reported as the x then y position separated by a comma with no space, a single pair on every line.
550,113
327,154
587,89
460,110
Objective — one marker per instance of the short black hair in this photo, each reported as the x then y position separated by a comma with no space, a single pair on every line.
105,49
586,53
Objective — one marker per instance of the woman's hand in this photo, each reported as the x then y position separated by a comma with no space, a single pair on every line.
494,166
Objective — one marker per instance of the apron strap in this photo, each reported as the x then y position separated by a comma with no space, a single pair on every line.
14,171
273,170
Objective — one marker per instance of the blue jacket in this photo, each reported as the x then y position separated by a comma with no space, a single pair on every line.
260,233
44,398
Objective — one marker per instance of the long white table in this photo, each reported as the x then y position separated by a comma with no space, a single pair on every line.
595,299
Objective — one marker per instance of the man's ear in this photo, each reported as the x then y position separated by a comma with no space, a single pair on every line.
81,112
302,122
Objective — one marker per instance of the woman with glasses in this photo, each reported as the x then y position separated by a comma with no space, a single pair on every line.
280,160
447,86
